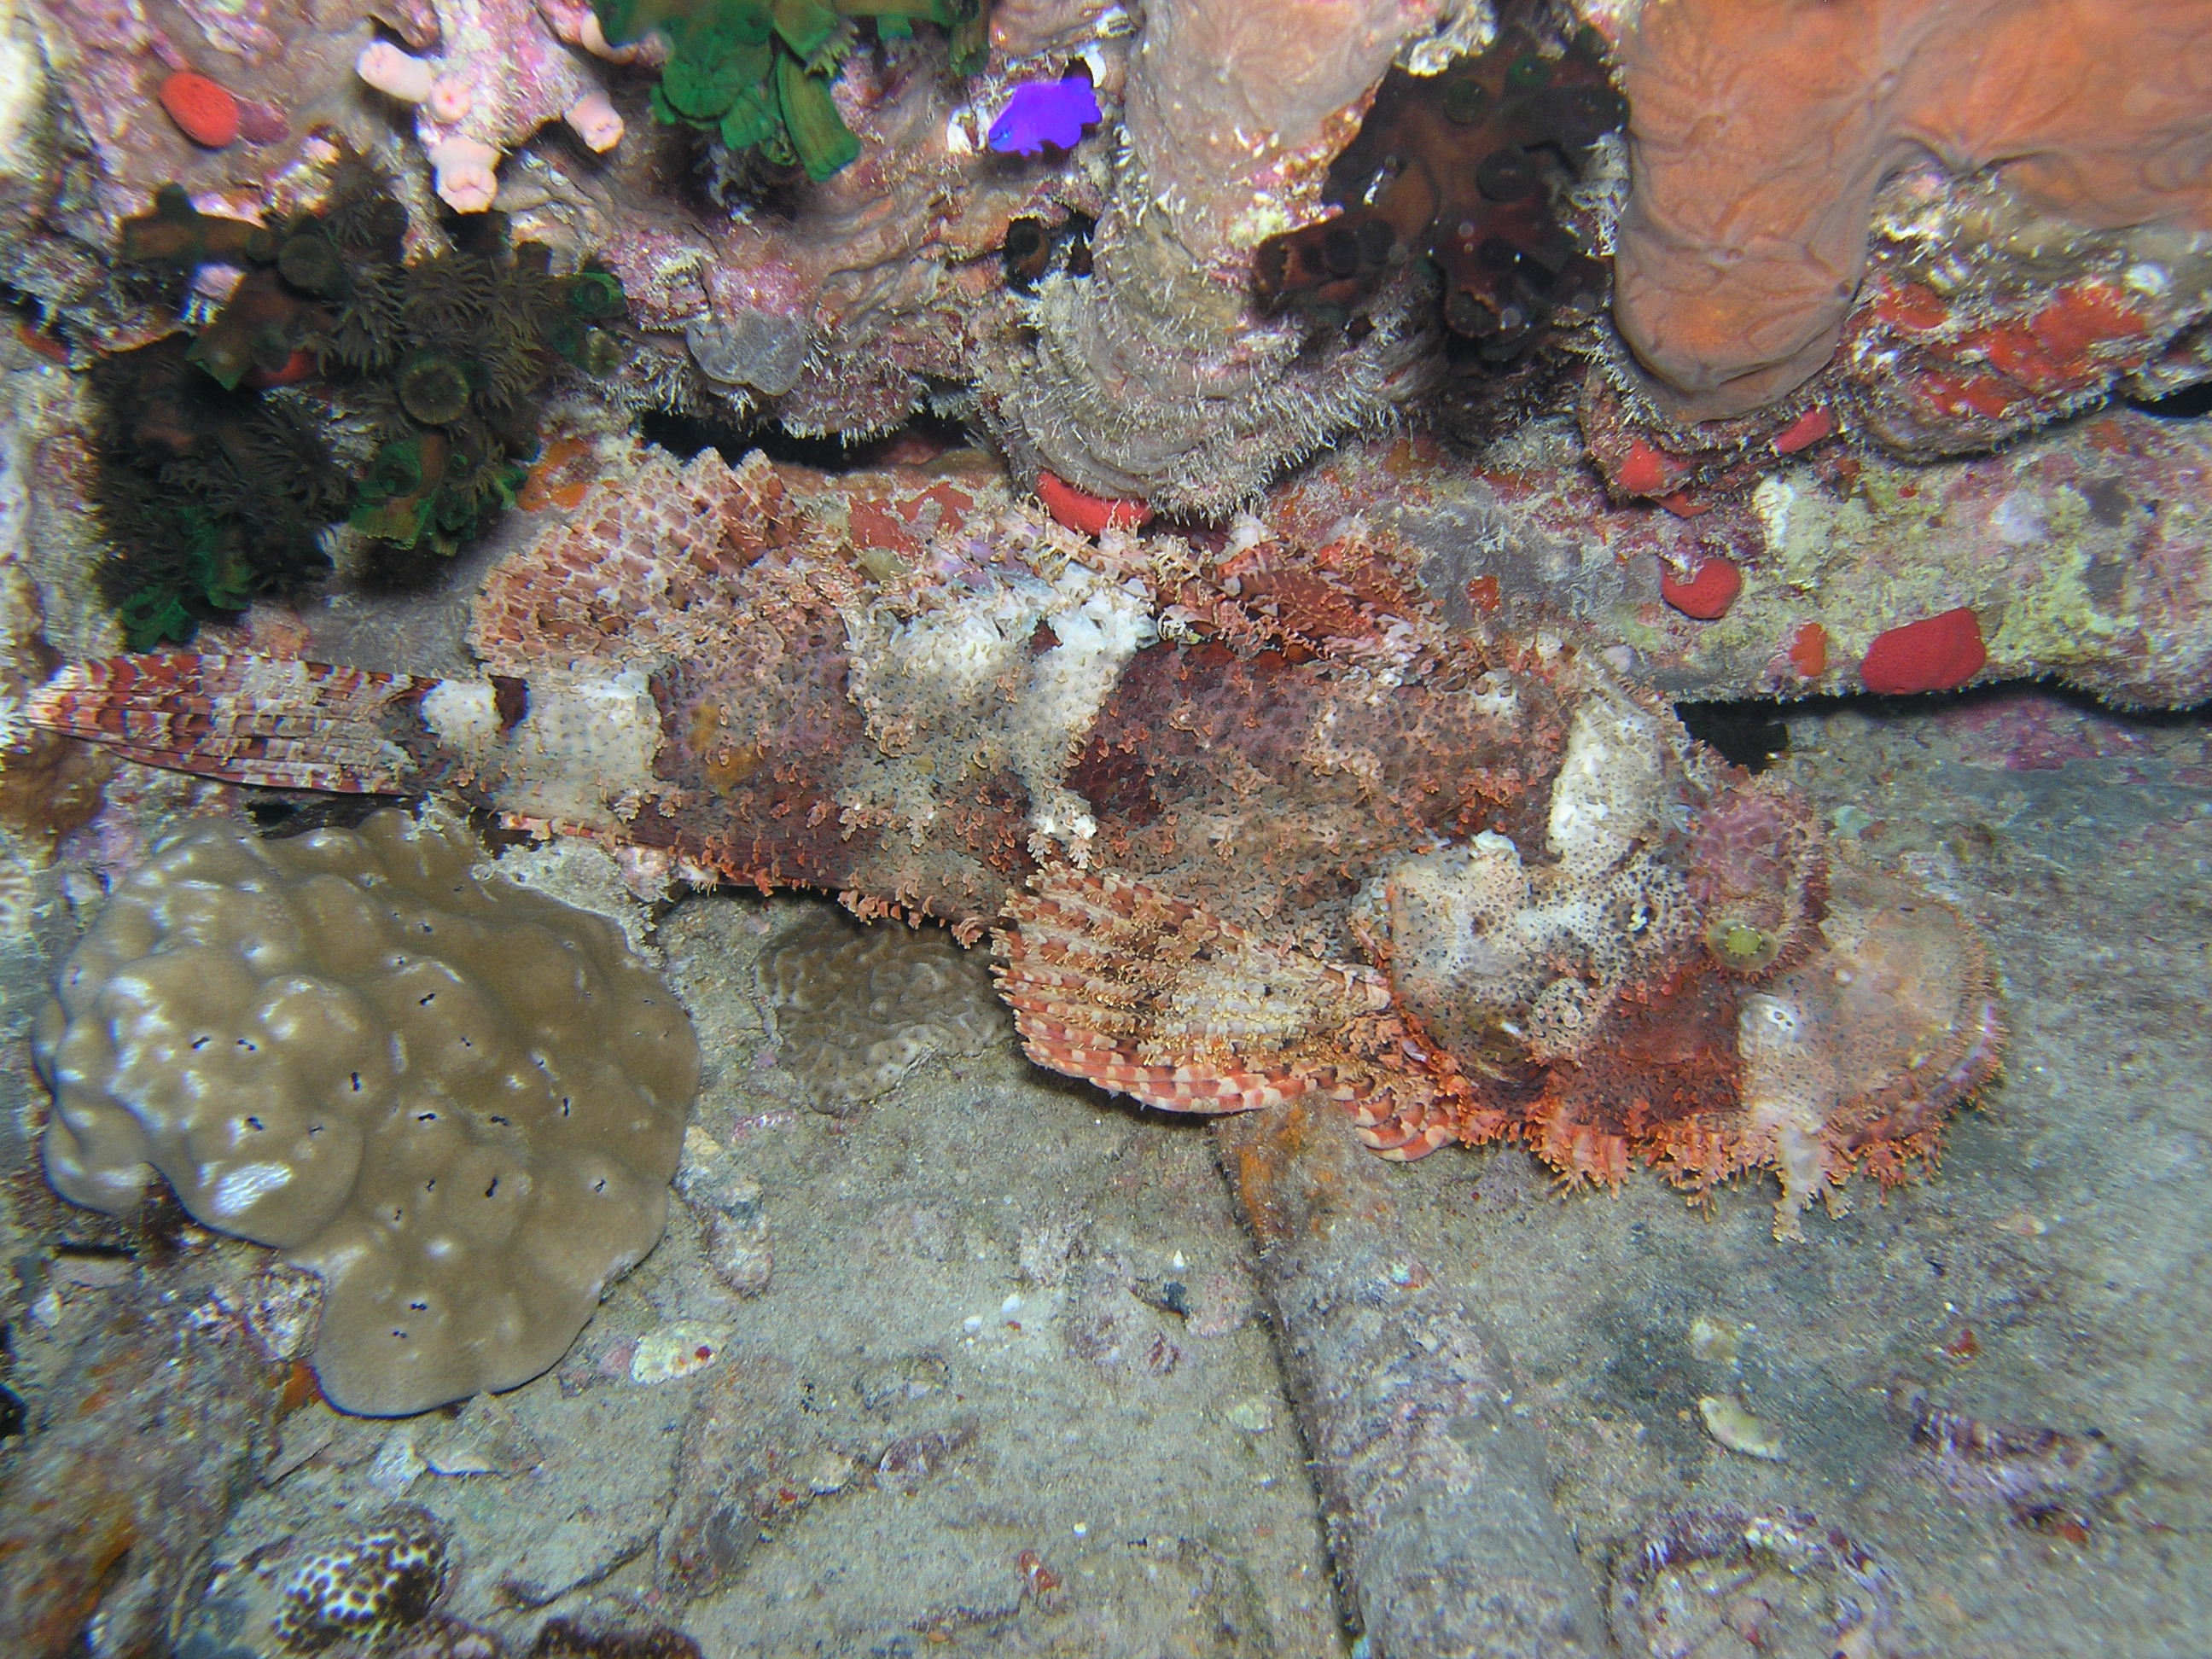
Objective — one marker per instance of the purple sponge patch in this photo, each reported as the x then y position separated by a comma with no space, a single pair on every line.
1042,112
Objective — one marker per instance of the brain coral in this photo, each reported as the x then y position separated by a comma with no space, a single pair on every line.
856,1008
457,1101
1762,130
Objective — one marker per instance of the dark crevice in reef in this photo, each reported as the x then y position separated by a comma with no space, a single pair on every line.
1749,733
2190,404
280,815
686,435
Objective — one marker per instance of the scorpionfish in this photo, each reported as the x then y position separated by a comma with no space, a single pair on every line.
1249,815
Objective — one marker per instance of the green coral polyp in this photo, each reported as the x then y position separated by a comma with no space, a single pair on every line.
593,294
434,389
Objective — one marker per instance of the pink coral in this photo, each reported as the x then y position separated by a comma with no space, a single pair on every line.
500,75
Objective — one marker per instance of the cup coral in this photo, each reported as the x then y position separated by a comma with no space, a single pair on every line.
1461,169
456,1100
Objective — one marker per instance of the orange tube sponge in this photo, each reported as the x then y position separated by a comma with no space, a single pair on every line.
1762,129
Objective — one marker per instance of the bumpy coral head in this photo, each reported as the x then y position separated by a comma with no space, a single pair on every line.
457,1101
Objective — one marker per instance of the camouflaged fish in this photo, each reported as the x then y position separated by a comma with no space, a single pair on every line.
1248,820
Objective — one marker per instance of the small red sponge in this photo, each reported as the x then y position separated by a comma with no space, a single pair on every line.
206,111
1078,509
1647,470
1808,650
1707,594
1933,654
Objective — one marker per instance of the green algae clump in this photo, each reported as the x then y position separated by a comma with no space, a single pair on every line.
757,73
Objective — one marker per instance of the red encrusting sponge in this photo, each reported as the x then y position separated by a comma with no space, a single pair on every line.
1933,654
1078,509
204,111
1647,470
1808,650
1707,593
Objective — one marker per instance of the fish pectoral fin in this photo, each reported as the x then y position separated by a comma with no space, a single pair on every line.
1152,996
272,721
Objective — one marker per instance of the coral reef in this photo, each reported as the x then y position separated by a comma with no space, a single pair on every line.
2079,550
1464,168
457,1101
1154,378
860,298
1261,824
1762,135
157,1428
855,1009
24,139
117,81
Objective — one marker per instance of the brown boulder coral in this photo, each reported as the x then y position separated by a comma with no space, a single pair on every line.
457,1101
1762,131
1255,825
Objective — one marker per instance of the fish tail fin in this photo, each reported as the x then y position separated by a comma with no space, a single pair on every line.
272,721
